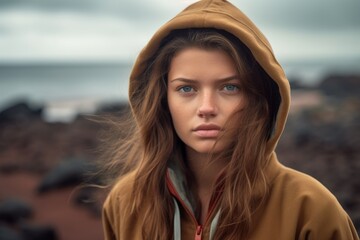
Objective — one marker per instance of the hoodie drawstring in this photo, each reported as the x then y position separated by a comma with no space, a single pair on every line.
177,222
213,225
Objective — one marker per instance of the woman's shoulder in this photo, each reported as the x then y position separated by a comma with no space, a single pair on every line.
304,196
300,185
306,204
120,191
119,221
303,193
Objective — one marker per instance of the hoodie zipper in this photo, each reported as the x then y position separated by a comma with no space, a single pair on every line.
198,233
199,227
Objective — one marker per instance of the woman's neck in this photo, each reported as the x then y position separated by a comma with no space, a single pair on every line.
204,173
203,170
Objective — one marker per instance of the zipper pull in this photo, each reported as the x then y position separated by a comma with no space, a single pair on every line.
198,233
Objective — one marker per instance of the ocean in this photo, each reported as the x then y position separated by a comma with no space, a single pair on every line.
64,89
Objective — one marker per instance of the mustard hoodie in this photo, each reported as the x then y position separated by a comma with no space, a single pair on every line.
298,206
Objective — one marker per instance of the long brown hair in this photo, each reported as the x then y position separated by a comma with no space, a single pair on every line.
152,141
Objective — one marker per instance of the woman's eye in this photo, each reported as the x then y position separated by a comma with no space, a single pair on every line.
231,88
186,89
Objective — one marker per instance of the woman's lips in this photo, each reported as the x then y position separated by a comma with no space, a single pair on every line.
207,130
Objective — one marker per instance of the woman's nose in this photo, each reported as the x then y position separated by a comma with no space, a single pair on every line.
207,106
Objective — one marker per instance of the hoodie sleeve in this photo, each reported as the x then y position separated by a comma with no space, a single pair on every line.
300,207
322,217
331,223
118,222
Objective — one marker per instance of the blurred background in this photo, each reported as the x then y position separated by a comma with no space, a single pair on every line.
63,61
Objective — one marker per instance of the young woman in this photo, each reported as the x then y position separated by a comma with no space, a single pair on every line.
209,102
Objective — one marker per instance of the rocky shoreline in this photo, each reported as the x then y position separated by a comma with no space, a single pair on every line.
43,165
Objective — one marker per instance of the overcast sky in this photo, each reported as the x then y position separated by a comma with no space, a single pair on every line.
116,30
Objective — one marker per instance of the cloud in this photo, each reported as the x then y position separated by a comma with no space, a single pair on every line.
306,14
131,10
291,44
117,30
66,35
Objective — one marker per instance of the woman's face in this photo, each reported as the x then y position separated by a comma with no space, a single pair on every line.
203,92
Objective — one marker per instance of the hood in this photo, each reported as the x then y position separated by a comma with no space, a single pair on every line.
221,14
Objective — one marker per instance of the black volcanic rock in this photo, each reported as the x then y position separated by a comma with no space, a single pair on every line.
7,233
37,232
14,210
341,86
85,198
68,173
117,108
19,112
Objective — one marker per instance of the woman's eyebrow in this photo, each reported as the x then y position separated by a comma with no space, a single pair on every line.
187,80
234,77
184,80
